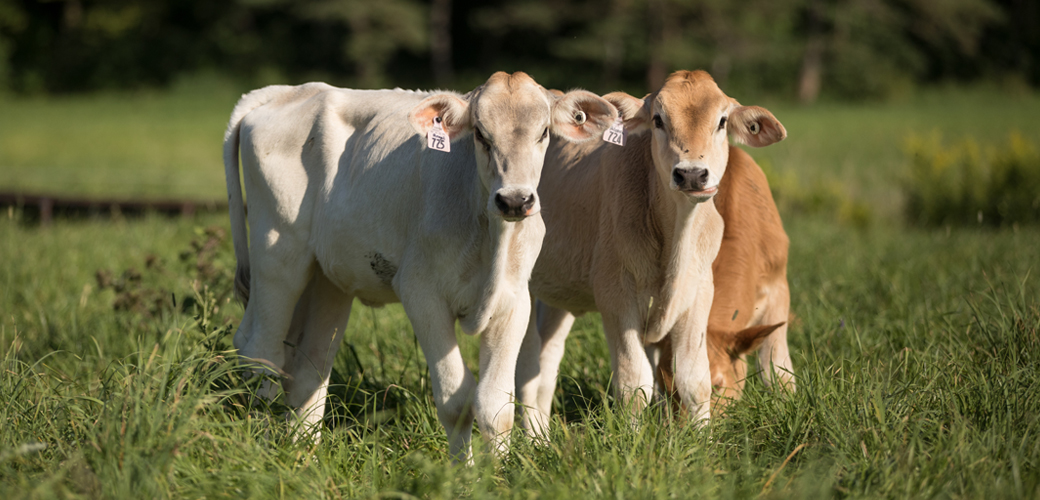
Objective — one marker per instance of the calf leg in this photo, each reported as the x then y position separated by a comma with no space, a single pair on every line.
278,277
774,358
499,349
633,375
324,311
452,383
692,374
528,376
549,329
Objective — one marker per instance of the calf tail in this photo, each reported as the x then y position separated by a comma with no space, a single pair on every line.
236,203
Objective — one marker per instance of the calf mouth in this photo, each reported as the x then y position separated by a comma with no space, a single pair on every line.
516,216
702,194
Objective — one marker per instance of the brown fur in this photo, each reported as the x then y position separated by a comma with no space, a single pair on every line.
751,294
624,238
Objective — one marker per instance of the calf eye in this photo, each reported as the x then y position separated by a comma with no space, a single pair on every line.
722,123
658,122
545,133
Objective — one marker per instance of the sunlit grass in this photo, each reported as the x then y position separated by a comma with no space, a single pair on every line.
916,353
916,350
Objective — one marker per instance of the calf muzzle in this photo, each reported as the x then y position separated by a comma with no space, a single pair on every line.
515,206
690,179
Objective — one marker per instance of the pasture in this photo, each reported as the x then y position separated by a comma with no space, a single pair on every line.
916,350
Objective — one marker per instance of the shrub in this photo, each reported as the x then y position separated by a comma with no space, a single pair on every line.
820,197
964,183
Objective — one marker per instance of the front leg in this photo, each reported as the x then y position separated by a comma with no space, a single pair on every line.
633,375
692,380
452,383
499,349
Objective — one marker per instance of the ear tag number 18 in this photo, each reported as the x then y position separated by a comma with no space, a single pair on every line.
616,134
437,138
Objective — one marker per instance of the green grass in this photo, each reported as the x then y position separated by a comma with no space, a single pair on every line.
169,144
916,353
916,349
860,148
148,144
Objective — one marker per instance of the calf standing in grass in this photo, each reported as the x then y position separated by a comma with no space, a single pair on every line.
752,302
632,232
345,201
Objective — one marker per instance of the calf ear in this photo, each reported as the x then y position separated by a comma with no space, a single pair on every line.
454,114
749,339
633,111
755,126
579,116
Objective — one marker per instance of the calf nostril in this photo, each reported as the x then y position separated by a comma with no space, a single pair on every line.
677,176
702,176
501,203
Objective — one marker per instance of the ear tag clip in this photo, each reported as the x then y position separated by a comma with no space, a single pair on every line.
437,138
616,134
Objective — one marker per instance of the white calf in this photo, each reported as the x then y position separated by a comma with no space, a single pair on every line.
345,201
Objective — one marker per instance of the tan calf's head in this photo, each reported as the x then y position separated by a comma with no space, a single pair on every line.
690,119
510,118
726,352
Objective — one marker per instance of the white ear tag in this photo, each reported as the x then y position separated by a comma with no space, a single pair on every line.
616,134
437,138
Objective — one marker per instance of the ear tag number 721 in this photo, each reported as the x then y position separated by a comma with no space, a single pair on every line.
437,138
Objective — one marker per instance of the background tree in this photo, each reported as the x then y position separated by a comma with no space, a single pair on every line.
377,29
847,49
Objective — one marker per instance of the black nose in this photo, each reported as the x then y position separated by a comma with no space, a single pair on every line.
514,205
690,179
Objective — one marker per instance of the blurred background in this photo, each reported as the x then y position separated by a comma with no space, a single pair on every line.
795,49
129,98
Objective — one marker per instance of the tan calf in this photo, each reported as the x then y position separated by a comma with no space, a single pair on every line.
631,232
751,304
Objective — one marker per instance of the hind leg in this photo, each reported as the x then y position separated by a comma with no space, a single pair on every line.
774,358
549,327
279,273
528,375
318,324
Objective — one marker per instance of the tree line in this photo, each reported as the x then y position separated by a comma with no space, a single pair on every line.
790,48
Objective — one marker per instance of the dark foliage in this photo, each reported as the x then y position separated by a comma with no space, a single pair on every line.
847,49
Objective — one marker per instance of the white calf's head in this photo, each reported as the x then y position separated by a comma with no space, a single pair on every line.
511,117
690,119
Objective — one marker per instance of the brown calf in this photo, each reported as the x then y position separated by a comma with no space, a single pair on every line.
751,303
632,232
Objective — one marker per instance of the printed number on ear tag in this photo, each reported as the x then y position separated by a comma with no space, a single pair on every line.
616,134
437,138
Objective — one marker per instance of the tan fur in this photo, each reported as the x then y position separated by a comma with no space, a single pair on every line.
751,305
624,238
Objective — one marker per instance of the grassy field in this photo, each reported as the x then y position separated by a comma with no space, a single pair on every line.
916,350
169,145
